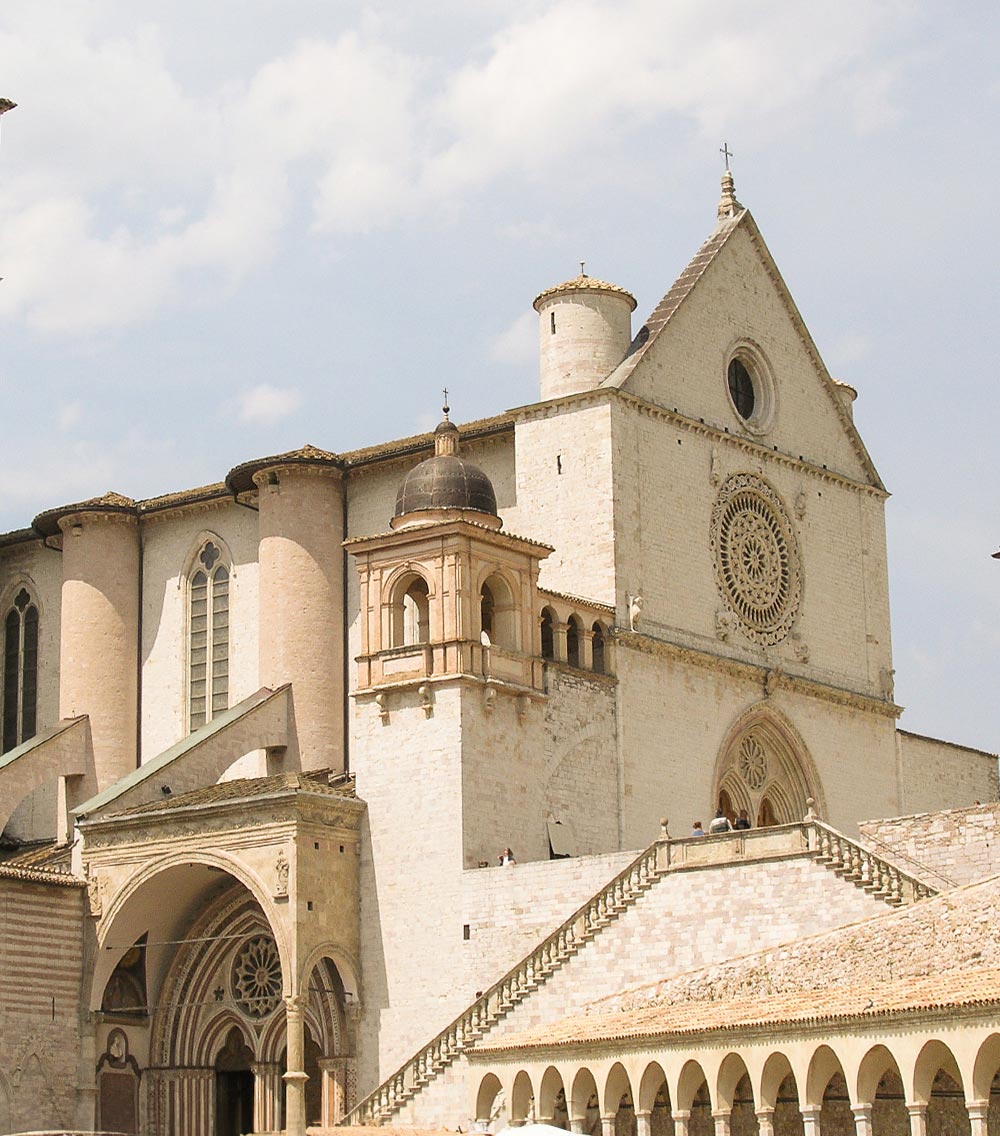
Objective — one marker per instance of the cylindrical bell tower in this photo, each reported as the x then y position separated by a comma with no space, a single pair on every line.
301,600
99,626
584,329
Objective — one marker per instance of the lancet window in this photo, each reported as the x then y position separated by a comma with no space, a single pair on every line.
20,671
208,660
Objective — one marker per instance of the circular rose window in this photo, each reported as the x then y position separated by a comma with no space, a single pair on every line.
756,559
257,977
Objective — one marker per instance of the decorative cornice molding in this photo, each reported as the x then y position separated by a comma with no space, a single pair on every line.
757,673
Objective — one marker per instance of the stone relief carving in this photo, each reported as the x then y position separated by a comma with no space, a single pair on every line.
802,652
489,699
281,868
715,475
772,680
426,695
800,504
95,895
725,624
382,702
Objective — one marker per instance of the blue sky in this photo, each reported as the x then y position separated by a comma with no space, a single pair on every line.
227,229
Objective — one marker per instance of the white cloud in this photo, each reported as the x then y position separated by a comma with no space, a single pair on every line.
125,190
266,404
517,344
68,415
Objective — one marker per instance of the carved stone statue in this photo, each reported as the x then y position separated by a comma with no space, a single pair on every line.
635,605
725,624
281,874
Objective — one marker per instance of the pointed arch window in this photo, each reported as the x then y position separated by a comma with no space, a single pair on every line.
208,656
20,671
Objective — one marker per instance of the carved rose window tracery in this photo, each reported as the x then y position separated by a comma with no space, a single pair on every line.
756,558
257,977
752,762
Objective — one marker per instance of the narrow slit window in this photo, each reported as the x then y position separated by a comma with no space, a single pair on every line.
552,317
20,671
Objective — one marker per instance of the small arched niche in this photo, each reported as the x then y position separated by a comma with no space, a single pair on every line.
498,612
409,621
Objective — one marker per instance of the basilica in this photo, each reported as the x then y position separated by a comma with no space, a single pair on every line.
358,788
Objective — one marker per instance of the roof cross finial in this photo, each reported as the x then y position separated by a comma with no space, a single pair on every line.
582,263
728,205
446,408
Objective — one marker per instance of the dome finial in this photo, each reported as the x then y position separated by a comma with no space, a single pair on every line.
728,205
446,432
582,266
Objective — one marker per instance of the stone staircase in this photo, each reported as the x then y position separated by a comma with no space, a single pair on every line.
810,839
864,868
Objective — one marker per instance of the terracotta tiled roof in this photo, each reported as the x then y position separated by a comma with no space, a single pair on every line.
947,990
583,283
248,789
49,856
240,478
47,522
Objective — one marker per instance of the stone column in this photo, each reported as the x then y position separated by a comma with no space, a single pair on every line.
810,1121
586,650
682,1120
765,1121
863,1119
577,1123
608,1125
918,1119
333,1071
301,603
266,1097
721,1117
559,630
978,1113
643,1123
99,631
295,1078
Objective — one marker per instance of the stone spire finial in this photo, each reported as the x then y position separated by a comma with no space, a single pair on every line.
728,205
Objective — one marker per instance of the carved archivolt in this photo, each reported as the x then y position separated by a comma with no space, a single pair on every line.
757,566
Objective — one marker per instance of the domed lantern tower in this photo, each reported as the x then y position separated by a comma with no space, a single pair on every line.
446,592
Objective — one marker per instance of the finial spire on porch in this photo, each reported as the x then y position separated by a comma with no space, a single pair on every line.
728,205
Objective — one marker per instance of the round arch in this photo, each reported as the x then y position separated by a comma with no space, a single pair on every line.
486,1095
731,1071
871,1070
583,1097
689,1082
550,1108
522,1098
616,1085
823,1065
776,1070
499,606
653,1080
187,874
986,1067
347,967
763,761
934,1056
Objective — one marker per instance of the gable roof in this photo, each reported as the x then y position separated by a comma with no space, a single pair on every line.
686,283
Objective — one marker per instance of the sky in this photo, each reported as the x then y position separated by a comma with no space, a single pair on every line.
230,228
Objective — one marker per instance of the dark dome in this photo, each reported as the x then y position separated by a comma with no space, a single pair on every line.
446,481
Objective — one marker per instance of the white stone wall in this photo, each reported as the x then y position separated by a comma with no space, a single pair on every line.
953,847
564,496
736,300
687,920
170,546
937,774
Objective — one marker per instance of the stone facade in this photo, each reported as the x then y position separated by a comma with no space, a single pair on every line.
667,594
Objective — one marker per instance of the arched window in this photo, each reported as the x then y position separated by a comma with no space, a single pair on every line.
410,612
548,642
573,641
20,671
498,612
208,658
599,652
